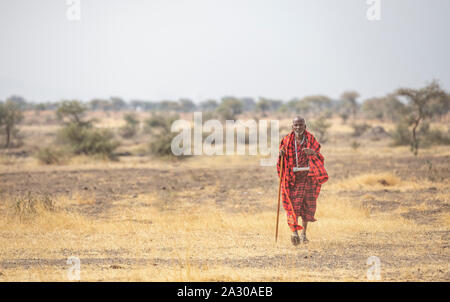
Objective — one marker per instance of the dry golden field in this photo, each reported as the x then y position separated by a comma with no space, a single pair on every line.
213,218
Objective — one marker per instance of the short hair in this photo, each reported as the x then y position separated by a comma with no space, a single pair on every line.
298,118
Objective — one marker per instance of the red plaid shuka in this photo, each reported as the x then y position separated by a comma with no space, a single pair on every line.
301,189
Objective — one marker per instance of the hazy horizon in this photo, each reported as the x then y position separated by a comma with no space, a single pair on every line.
199,49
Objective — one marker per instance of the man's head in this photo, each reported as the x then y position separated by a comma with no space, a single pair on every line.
298,125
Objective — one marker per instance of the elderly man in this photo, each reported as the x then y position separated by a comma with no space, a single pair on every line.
302,176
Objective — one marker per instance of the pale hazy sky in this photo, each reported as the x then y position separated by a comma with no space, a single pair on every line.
167,49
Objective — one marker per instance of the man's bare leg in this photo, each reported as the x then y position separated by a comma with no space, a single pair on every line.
303,235
295,238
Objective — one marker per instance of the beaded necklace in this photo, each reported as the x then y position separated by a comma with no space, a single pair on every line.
297,168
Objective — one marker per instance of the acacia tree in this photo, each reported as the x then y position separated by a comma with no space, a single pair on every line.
320,127
73,111
422,104
131,127
80,134
187,105
208,105
315,104
263,105
229,108
10,116
117,103
248,104
349,101
384,108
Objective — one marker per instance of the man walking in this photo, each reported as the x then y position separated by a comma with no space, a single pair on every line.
302,177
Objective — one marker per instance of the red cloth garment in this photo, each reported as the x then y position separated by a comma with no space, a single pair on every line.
303,196
299,195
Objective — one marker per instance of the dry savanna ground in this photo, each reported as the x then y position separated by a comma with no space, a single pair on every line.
213,218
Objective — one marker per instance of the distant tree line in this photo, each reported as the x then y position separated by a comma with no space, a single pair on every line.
410,109
384,108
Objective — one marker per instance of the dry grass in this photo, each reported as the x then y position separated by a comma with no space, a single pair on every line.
191,244
375,180
384,207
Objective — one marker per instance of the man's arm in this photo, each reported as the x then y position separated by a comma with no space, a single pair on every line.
282,149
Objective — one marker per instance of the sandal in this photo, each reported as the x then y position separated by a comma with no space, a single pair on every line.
295,239
303,238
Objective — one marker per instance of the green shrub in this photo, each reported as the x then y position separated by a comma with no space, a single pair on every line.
229,108
161,136
344,116
50,156
160,144
209,115
425,136
225,113
360,129
320,128
131,127
88,140
127,131
159,123
401,135
436,137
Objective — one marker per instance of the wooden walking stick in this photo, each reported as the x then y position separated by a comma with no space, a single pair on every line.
279,190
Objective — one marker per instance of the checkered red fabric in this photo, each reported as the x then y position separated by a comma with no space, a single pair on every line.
301,194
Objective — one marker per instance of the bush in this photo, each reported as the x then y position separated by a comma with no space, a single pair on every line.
225,113
360,129
159,123
320,128
436,137
426,137
209,115
131,127
49,156
127,131
229,108
376,133
88,140
160,128
160,145
344,116
401,135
